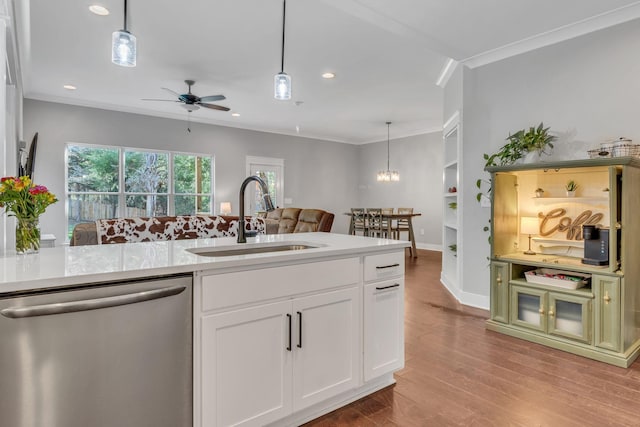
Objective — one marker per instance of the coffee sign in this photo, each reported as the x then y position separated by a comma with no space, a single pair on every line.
555,221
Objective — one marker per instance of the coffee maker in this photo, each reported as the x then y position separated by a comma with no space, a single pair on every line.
596,245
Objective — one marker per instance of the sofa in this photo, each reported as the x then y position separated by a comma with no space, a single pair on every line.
148,229
145,229
297,220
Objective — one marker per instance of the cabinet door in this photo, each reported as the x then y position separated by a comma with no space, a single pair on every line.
246,367
607,317
569,316
383,328
500,291
528,308
326,346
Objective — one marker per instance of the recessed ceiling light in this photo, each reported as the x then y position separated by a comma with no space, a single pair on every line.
235,114
69,87
99,10
328,75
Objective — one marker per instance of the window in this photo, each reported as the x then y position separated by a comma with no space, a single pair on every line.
108,182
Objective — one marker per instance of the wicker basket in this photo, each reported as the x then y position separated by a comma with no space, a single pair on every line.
599,153
623,150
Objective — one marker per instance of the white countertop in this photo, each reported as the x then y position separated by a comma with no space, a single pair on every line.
73,265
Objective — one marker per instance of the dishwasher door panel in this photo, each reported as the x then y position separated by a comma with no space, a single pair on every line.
120,365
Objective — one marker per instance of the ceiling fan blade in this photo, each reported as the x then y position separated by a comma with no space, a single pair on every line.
213,106
211,98
153,99
176,94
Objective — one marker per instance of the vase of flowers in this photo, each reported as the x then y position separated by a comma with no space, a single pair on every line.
25,201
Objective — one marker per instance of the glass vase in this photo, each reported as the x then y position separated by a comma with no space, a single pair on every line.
27,235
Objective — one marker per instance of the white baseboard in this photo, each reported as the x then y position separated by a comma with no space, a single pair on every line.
429,247
465,298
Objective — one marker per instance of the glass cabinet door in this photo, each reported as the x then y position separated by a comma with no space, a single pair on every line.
570,316
528,308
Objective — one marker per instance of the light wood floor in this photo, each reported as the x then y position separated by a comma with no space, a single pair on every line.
459,374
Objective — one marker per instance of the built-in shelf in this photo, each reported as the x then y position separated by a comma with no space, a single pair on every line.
571,199
450,165
559,242
452,176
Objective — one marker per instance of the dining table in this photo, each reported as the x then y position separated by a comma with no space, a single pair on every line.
390,217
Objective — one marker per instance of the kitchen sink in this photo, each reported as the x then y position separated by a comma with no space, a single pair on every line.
245,249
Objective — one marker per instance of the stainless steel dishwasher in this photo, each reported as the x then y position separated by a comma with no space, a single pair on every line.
114,355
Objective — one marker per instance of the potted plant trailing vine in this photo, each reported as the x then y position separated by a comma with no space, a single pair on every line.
536,140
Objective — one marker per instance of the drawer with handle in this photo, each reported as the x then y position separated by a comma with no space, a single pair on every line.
383,266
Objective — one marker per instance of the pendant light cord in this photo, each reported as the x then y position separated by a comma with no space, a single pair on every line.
388,123
125,15
284,13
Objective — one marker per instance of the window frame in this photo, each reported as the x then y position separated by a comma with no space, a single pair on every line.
122,193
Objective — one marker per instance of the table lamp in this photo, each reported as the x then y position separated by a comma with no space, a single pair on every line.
225,208
529,225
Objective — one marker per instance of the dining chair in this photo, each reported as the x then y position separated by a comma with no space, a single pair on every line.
375,226
387,221
358,221
402,224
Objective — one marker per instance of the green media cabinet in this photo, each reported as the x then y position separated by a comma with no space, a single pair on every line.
601,318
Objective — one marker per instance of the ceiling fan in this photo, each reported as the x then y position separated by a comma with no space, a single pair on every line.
191,102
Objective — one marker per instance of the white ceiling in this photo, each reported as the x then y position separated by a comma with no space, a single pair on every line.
387,56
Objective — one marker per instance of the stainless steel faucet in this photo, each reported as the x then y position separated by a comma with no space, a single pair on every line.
268,204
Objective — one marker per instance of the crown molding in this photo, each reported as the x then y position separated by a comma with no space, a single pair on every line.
446,73
404,135
589,25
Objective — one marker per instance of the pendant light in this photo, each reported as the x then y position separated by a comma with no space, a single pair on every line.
282,81
388,175
123,45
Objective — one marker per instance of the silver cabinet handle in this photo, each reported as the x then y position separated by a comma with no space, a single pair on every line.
90,304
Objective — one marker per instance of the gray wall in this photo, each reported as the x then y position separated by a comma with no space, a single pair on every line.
586,89
318,173
418,159
326,175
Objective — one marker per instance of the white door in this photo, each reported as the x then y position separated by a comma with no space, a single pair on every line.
326,346
383,328
272,172
246,366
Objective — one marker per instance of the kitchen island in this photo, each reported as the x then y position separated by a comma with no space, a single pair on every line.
279,337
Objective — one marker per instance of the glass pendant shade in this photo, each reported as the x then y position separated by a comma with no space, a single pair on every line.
123,48
282,86
388,176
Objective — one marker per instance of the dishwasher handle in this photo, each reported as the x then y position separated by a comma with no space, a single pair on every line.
90,304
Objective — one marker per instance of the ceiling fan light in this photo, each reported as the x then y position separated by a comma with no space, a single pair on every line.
190,107
123,48
282,86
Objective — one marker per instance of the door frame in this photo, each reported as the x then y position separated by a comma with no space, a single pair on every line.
270,162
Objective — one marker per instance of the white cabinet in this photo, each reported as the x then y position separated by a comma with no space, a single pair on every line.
326,347
284,344
246,369
383,328
262,363
383,314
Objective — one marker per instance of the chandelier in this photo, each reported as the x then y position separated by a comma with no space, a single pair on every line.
388,175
